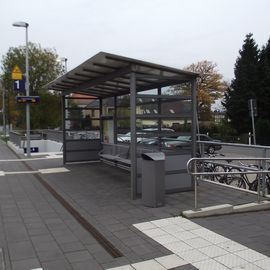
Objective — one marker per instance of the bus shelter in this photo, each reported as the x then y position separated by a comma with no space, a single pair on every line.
131,103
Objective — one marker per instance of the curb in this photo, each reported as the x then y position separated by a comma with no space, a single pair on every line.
226,209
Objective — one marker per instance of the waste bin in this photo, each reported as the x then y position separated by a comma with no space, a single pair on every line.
153,179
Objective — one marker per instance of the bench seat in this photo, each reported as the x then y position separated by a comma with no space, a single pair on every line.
116,160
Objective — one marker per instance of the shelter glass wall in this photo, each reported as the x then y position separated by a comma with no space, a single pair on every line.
81,128
163,118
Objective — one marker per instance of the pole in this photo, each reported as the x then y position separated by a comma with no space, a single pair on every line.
4,111
66,100
195,186
27,94
133,137
252,119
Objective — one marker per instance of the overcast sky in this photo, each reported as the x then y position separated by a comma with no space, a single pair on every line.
170,32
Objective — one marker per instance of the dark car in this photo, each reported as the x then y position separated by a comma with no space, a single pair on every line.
182,141
210,148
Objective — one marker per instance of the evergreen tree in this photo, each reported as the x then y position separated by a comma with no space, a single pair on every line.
263,122
244,86
264,80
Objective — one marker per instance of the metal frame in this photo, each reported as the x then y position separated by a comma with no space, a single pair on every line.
107,75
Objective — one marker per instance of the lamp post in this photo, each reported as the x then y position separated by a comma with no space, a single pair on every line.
25,25
64,60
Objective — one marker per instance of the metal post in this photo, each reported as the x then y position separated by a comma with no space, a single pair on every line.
64,129
193,133
253,122
133,137
264,175
259,183
27,94
159,119
66,100
115,120
195,186
4,111
25,25
194,116
100,120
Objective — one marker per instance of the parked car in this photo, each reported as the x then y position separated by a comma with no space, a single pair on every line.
182,141
145,135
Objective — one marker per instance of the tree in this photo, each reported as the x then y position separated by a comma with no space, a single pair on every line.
263,96
210,86
244,86
43,68
264,82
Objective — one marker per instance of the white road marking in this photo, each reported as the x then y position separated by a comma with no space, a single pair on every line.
42,171
53,170
32,159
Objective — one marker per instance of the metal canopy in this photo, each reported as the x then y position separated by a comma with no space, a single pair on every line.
106,75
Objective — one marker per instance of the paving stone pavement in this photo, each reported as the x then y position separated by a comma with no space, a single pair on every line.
37,231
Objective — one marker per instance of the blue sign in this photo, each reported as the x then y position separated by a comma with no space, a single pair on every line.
27,99
32,150
19,85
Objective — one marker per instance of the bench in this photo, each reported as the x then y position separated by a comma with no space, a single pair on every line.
116,155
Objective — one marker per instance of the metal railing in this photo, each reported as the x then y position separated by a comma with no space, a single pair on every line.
192,168
18,137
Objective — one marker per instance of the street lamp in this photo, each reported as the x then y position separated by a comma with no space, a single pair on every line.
63,60
25,25
65,124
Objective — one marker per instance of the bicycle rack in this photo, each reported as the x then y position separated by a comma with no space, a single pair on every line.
192,170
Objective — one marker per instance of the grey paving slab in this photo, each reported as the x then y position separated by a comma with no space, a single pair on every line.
102,195
78,256
26,264
86,265
75,246
56,265
21,250
185,267
248,229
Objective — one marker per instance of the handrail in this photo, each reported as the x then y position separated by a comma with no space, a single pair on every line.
192,170
236,144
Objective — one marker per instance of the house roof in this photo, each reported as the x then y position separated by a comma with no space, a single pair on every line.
106,75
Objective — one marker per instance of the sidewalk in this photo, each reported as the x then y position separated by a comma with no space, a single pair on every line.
37,231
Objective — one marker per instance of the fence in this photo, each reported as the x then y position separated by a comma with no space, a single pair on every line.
261,171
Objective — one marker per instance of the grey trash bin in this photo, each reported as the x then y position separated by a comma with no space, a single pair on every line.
153,179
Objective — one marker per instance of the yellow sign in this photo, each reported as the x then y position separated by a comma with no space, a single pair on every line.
16,73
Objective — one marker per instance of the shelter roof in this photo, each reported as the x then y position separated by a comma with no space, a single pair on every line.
106,75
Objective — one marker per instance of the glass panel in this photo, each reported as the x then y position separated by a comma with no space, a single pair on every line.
123,101
182,126
169,106
108,107
85,123
108,131
183,89
147,106
149,92
83,135
123,130
123,112
79,113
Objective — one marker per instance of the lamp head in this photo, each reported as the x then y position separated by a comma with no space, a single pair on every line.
21,24
61,59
